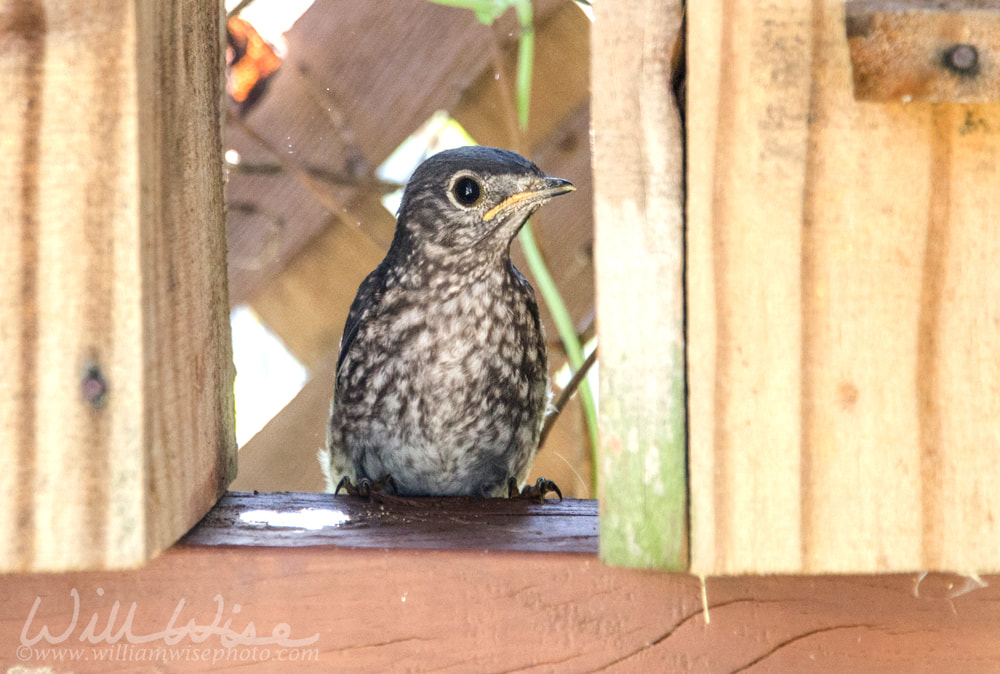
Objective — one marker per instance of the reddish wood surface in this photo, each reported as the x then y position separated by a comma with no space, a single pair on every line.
285,520
375,609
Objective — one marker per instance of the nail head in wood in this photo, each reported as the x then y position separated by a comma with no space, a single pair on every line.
924,51
94,387
962,59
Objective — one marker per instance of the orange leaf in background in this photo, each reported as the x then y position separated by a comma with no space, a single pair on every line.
251,61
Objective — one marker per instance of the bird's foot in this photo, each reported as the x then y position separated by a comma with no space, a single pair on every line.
365,488
533,492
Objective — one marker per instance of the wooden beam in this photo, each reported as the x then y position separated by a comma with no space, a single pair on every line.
924,51
265,593
639,220
385,521
844,361
117,426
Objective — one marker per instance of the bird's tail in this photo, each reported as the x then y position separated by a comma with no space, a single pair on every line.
323,455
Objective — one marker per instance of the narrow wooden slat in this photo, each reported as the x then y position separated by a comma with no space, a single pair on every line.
299,520
844,361
743,293
189,447
639,221
117,431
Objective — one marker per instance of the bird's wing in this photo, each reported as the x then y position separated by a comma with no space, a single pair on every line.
362,305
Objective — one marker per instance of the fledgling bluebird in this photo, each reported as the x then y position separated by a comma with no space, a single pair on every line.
442,375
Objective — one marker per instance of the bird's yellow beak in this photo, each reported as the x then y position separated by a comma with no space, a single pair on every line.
551,187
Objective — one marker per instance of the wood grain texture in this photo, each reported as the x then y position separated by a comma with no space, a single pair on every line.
843,306
639,221
905,51
297,601
117,427
450,523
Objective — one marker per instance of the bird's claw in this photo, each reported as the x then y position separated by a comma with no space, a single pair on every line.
533,492
365,488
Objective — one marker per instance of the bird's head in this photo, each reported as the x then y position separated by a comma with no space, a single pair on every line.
472,199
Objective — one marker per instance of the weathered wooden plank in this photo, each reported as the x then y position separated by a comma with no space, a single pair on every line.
843,357
285,519
924,51
320,608
639,221
116,430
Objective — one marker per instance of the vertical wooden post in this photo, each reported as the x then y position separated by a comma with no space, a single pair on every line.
639,217
116,410
844,305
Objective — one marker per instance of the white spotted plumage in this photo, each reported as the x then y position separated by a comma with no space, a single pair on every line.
441,380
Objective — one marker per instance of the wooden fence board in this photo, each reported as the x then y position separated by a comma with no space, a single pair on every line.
639,221
116,408
842,308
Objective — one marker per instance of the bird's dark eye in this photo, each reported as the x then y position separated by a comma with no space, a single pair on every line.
467,191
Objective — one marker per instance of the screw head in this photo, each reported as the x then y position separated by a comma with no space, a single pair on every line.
962,59
94,387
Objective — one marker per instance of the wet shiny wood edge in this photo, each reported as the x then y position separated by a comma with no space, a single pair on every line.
292,519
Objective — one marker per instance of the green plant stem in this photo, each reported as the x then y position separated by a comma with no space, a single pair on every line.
525,61
536,262
487,11
564,324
